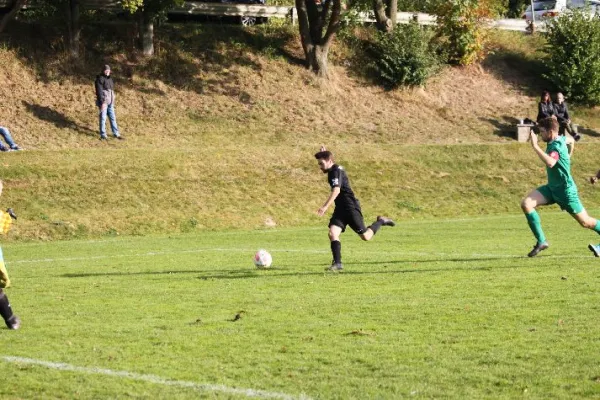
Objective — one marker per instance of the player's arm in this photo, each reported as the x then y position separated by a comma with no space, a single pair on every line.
335,181
546,158
570,145
332,196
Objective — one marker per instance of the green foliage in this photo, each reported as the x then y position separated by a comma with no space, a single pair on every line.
42,9
426,6
516,8
496,7
150,7
405,57
132,5
460,25
572,56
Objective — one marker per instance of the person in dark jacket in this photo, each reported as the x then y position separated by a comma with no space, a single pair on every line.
562,115
545,107
105,100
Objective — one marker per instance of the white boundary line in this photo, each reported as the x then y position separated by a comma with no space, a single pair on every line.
205,387
162,253
423,254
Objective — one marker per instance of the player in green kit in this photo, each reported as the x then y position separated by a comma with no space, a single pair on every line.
560,189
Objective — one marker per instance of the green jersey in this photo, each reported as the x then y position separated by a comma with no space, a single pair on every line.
559,176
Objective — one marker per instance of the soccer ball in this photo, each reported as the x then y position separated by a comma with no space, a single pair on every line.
262,259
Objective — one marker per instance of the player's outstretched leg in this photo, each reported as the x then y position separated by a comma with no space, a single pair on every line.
11,320
374,227
586,221
528,205
533,220
336,248
385,221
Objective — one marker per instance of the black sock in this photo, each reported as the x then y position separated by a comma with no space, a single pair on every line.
5,309
376,225
336,250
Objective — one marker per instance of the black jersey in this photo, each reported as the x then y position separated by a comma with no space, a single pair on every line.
337,178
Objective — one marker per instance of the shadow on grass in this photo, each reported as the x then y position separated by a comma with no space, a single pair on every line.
588,132
202,57
59,120
524,72
505,126
197,57
278,272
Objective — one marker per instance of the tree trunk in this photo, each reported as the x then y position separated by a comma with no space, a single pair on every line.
318,60
146,32
312,22
74,28
393,12
382,22
17,5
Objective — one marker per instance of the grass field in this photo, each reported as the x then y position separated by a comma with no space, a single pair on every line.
155,296
440,308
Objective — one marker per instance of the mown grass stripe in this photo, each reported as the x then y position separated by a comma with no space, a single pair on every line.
206,387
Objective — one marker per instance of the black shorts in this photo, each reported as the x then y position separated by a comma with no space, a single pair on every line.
353,217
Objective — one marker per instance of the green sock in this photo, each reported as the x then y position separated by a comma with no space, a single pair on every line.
597,227
533,219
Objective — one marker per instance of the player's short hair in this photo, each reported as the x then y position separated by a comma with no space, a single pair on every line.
549,124
324,155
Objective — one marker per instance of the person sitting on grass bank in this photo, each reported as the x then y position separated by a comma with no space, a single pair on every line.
8,139
545,107
562,115
560,189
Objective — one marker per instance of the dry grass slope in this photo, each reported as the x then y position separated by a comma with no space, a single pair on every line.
233,85
220,111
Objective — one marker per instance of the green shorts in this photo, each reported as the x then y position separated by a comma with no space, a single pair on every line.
568,200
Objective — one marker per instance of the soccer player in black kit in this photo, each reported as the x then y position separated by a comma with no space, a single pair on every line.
347,208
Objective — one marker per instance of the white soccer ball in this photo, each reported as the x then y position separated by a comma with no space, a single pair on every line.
262,259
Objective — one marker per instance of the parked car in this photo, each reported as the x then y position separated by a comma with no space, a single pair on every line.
197,15
544,9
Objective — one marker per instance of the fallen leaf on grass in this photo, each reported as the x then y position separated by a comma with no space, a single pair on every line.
238,316
360,332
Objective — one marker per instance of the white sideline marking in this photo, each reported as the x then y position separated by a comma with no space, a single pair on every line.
466,257
160,253
207,387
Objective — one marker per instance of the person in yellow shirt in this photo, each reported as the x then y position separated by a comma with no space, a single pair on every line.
11,320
